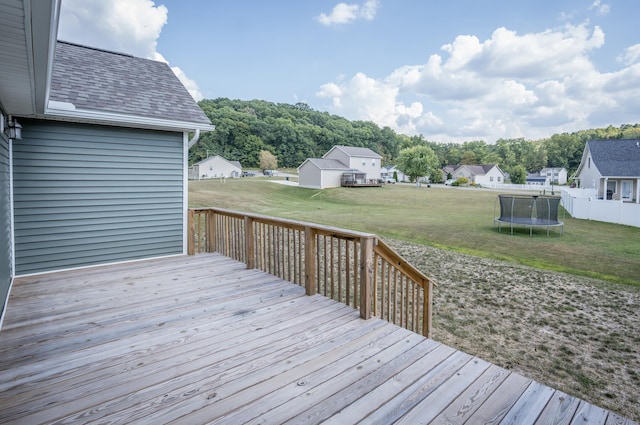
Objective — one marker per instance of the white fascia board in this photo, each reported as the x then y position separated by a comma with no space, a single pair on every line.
67,111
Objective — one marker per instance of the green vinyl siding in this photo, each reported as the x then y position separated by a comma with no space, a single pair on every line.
5,223
87,194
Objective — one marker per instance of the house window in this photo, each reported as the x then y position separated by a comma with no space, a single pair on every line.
364,162
373,162
589,162
625,189
491,178
499,178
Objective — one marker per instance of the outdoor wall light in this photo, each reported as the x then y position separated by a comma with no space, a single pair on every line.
14,129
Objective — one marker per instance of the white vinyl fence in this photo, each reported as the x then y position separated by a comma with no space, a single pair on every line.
584,204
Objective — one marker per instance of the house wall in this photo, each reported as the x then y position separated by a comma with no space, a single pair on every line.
5,225
309,176
331,178
493,176
217,167
589,174
88,194
370,166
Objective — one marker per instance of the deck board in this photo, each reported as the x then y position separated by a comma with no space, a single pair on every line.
203,340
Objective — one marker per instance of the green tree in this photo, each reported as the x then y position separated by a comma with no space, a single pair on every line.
417,161
268,161
518,174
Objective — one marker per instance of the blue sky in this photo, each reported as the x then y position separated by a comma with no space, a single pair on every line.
452,71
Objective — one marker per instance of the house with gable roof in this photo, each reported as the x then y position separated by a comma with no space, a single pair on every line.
480,174
215,167
93,151
612,168
341,166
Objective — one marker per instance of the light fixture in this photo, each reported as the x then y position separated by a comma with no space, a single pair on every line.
14,129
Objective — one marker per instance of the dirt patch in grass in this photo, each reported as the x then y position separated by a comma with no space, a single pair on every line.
576,334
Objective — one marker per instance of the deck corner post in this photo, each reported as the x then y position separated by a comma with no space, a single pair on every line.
428,309
366,276
310,260
191,233
249,243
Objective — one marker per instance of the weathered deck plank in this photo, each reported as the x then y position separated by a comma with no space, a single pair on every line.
203,340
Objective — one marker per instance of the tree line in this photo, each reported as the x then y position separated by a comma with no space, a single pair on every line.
293,133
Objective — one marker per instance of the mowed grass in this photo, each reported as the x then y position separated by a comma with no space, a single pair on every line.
458,219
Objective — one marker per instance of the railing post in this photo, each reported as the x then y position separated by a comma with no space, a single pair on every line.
366,276
249,243
427,312
191,247
310,260
211,231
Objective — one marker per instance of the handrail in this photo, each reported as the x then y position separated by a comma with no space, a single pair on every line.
352,267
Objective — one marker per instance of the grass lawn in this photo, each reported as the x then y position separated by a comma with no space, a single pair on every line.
457,219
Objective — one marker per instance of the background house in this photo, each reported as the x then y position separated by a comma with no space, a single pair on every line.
555,175
391,170
320,173
215,166
480,174
99,173
612,168
537,179
325,172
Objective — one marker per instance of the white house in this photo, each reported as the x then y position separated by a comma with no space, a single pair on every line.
555,175
612,168
325,172
215,166
361,159
480,174
390,170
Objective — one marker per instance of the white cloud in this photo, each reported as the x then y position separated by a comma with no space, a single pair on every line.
510,85
126,26
344,13
600,8
631,55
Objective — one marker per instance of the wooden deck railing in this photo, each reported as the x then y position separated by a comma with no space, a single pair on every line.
355,268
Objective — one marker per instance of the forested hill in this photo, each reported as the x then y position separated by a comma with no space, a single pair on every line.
296,132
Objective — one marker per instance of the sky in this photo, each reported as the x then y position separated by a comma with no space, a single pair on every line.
451,71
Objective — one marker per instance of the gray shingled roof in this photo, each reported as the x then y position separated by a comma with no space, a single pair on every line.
616,158
479,169
104,81
359,152
329,164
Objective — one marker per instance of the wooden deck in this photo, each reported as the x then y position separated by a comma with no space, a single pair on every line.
204,340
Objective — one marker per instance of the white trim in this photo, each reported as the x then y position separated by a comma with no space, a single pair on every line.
68,111
185,192
6,303
12,231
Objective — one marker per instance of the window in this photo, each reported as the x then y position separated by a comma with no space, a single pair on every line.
373,162
625,189
364,162
499,178
491,178
589,162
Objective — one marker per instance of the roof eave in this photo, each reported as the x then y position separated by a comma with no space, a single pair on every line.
123,120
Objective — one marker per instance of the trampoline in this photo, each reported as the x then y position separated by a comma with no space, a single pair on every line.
528,211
